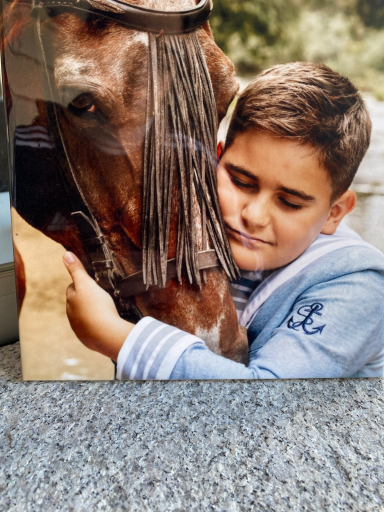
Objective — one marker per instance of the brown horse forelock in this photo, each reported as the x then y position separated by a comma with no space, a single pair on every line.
109,62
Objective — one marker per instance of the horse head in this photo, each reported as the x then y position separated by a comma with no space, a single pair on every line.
90,83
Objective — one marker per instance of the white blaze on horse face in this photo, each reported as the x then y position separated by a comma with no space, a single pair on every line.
75,69
78,74
171,5
140,37
71,69
69,66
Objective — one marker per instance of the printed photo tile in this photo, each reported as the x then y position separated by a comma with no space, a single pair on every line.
197,189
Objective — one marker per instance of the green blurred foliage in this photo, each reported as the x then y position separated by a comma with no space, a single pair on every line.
347,35
250,31
371,12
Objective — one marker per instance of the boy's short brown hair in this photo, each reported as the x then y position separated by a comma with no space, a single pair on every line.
314,105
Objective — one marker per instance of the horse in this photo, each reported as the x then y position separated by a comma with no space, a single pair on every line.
94,89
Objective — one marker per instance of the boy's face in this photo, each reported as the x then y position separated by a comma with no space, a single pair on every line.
275,199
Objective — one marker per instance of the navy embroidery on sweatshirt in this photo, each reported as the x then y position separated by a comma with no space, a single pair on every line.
308,313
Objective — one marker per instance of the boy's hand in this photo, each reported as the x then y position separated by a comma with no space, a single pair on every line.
92,312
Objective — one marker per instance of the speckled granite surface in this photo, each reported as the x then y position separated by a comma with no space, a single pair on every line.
220,446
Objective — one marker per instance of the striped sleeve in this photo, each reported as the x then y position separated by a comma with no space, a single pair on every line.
33,136
152,350
243,288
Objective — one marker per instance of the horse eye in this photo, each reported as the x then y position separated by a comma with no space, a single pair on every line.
83,105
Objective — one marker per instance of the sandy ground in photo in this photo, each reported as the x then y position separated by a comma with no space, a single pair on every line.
49,348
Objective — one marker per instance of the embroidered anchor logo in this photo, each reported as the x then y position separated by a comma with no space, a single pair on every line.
307,312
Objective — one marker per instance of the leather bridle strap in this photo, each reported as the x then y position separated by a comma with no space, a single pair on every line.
99,252
134,16
134,285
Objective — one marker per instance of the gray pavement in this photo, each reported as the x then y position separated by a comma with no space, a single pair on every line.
174,446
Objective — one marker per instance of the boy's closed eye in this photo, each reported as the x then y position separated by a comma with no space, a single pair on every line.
293,206
242,183
241,177
248,183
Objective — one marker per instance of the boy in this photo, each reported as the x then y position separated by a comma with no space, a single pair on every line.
312,293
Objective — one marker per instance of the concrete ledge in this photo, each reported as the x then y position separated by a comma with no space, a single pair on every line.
175,446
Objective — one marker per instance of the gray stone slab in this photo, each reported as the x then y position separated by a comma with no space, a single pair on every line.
175,446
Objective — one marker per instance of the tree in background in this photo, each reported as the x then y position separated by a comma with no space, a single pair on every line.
371,12
249,31
347,35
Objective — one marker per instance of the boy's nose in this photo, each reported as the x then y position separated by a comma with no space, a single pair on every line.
256,214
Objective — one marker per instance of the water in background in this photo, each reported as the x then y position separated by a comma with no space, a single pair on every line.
367,219
368,216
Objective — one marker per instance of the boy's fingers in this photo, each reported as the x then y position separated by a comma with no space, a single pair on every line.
75,268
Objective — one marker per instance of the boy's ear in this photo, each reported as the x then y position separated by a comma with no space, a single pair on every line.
341,207
220,150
